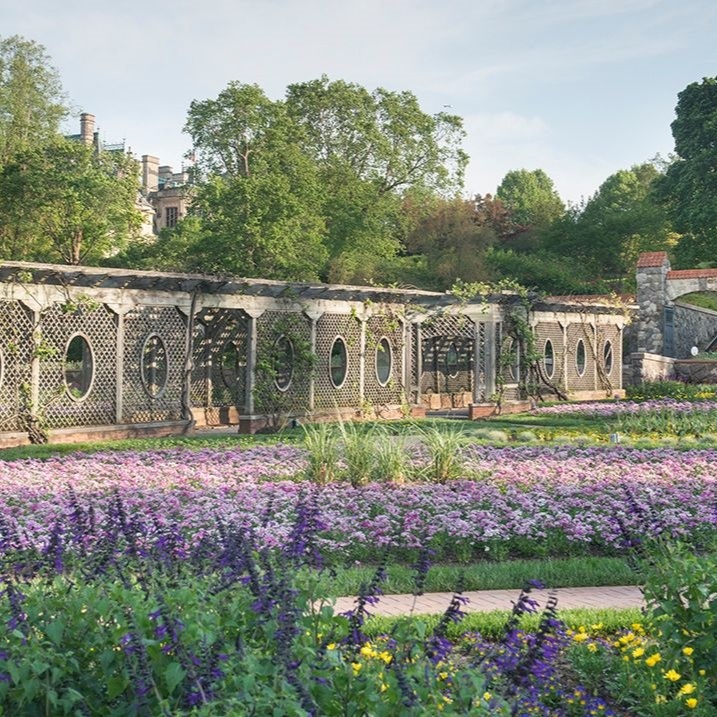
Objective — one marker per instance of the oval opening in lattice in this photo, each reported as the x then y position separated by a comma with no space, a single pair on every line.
580,357
384,361
230,364
452,361
513,352
283,363
338,362
549,358
79,368
607,357
154,365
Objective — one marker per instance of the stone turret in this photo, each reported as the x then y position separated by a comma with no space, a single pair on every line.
87,128
652,268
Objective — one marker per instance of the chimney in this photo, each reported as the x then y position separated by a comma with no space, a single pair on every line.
87,128
150,173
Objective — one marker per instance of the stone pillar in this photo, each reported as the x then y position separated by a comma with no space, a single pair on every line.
251,360
490,355
150,173
87,128
651,276
313,316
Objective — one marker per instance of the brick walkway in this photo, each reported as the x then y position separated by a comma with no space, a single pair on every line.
486,600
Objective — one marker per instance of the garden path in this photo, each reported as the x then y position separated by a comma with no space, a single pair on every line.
623,596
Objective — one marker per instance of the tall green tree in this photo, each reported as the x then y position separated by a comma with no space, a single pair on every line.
604,236
371,149
66,202
32,102
454,238
258,198
315,184
689,188
531,198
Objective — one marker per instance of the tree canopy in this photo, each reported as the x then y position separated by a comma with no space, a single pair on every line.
32,102
315,184
689,188
530,197
64,201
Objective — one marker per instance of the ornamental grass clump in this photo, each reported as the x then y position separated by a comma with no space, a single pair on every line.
322,452
391,459
445,457
358,452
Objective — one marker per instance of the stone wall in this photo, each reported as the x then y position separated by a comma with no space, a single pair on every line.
694,326
651,289
644,367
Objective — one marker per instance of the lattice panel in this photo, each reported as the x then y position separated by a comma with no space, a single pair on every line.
439,335
329,326
98,326
415,352
220,356
612,379
481,363
378,327
548,330
16,355
586,382
140,323
297,328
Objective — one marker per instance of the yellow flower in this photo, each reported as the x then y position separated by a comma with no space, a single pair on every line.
384,687
702,673
385,656
331,646
357,667
487,696
687,689
367,651
580,637
592,647
660,699
442,675
652,660
688,651
691,703
638,652
596,626
671,675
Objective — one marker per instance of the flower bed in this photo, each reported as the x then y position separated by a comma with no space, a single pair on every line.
609,409
523,501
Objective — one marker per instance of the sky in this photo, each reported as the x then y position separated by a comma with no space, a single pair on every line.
578,88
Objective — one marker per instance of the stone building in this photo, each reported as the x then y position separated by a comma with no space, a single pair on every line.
98,352
168,192
669,330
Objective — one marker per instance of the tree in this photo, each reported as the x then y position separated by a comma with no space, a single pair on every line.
689,188
371,149
315,184
65,201
258,197
531,198
454,239
32,102
622,220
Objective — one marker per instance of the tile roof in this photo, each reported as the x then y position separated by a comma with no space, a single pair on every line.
652,259
692,274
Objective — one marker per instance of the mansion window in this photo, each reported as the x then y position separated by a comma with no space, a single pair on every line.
171,217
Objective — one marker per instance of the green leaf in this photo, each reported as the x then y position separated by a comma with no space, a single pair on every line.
173,675
54,631
116,685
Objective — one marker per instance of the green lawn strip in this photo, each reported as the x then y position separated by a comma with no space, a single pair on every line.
194,442
491,625
507,575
